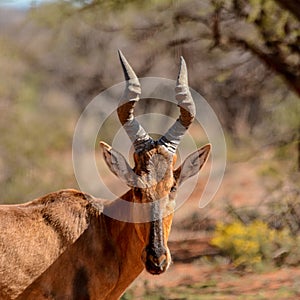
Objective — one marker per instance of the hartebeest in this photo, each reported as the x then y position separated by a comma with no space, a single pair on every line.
65,246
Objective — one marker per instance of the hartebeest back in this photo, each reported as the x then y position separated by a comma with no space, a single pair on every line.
65,246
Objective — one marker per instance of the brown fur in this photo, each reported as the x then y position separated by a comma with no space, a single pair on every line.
109,252
34,234
62,246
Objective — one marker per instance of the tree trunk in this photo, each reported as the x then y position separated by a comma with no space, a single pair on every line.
298,147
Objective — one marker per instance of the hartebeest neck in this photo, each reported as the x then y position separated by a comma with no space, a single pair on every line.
122,210
145,243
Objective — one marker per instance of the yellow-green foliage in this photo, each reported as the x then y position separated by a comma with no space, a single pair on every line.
246,245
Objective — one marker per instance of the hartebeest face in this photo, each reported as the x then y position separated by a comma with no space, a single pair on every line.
155,168
153,179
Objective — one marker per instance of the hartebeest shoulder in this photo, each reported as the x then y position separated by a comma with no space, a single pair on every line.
34,234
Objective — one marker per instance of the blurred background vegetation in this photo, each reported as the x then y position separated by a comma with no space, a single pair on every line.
243,57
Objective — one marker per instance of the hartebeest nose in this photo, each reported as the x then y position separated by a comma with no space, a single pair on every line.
156,264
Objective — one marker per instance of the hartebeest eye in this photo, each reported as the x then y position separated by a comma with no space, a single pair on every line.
173,189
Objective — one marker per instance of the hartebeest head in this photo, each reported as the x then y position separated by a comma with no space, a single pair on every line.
154,179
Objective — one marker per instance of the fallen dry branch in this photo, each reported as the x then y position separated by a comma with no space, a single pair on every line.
189,250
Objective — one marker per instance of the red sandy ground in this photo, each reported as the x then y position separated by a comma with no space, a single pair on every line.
226,281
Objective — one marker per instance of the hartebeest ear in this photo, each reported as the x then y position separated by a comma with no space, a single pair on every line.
117,163
192,164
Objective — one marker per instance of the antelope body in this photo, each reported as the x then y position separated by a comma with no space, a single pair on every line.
65,246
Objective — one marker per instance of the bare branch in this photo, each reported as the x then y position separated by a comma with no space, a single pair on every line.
275,62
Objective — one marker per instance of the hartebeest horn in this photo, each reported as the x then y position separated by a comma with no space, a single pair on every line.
187,111
135,131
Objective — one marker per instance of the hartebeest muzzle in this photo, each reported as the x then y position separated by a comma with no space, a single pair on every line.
156,260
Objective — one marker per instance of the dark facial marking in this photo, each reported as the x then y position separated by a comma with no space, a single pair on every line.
80,285
156,251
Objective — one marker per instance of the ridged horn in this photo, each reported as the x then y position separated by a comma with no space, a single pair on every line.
186,104
131,95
